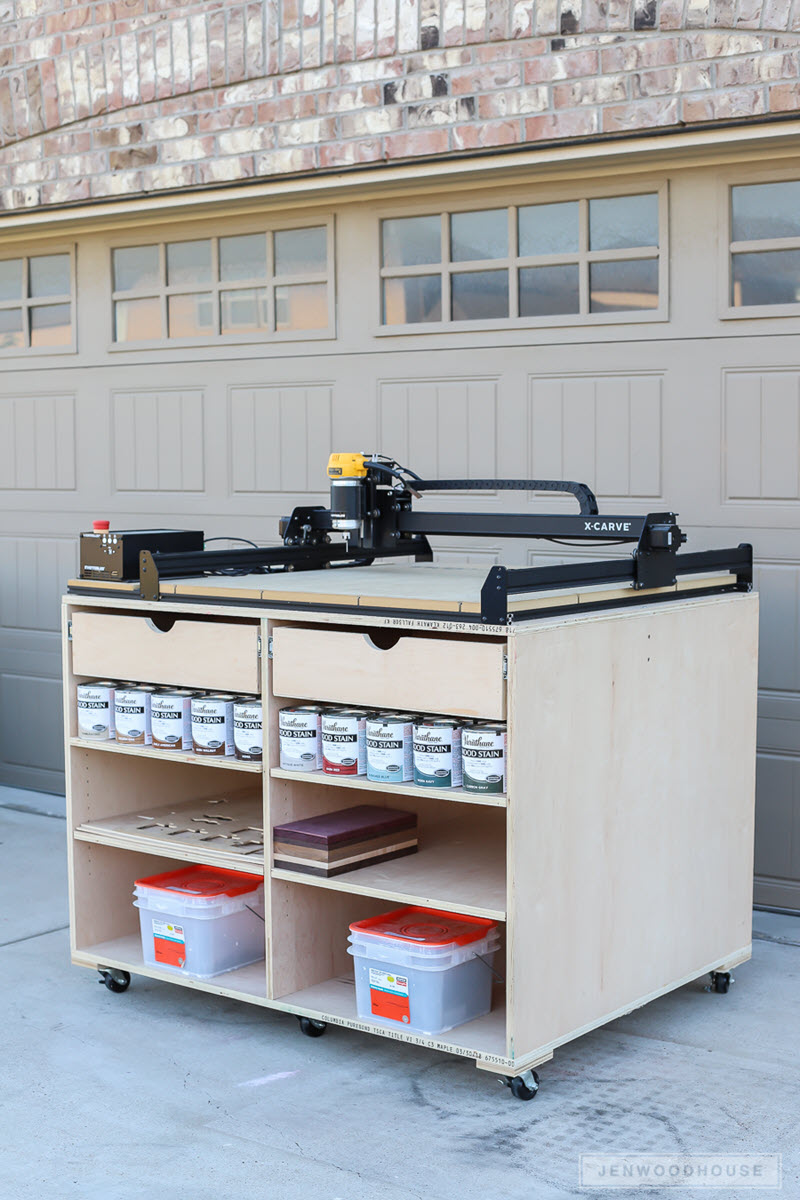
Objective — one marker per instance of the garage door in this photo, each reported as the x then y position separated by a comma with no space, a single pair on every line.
639,334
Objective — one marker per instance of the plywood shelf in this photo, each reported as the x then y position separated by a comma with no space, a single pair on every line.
458,869
169,756
361,783
217,831
125,953
335,1000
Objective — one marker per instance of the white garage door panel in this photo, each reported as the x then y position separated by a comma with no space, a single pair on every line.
32,574
762,433
441,428
603,429
280,438
159,441
778,830
37,445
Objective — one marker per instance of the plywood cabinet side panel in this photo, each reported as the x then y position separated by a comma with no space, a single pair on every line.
631,779
70,724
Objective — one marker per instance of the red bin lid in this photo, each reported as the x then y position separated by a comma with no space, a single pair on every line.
426,927
206,882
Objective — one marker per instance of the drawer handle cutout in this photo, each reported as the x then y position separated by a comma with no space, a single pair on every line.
382,639
161,622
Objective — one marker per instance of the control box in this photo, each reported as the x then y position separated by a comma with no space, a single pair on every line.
114,553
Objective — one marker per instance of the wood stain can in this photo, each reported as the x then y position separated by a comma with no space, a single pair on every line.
437,752
299,734
248,730
132,714
171,718
483,752
95,703
390,747
212,724
344,741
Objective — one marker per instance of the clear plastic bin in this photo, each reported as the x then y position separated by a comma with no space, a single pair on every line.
201,921
422,969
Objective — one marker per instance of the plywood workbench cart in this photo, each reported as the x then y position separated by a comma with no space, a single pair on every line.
619,864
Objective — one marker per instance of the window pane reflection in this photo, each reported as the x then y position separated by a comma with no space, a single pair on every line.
766,210
12,336
136,268
245,311
50,325
11,279
49,275
137,320
243,257
190,315
548,291
767,277
617,222
548,229
188,262
299,251
477,235
412,299
623,286
412,241
479,295
301,306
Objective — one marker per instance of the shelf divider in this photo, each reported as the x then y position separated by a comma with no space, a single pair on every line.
361,783
169,756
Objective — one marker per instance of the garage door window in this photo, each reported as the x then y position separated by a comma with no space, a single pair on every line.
246,286
765,246
36,303
559,263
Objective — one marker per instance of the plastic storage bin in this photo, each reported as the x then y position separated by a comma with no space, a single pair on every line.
201,921
423,969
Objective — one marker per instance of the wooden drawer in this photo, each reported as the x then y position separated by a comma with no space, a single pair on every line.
416,674
219,655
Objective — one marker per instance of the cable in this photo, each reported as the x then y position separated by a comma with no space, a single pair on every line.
580,542
232,539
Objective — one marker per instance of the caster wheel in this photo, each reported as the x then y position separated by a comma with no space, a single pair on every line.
115,981
312,1028
721,981
524,1087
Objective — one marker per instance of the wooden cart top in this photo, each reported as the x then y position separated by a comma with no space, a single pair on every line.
447,593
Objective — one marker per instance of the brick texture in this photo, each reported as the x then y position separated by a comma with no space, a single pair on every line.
128,97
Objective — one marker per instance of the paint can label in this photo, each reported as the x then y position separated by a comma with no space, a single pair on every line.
299,736
96,710
212,725
437,755
132,715
390,749
171,720
483,750
248,736
344,749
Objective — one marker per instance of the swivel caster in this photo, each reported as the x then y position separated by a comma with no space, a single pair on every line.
721,981
312,1028
115,981
523,1087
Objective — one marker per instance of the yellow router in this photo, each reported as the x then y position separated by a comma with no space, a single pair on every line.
350,466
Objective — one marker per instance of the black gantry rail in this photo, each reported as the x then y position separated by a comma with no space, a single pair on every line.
503,582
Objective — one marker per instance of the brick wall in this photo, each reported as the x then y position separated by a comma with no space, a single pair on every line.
131,96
